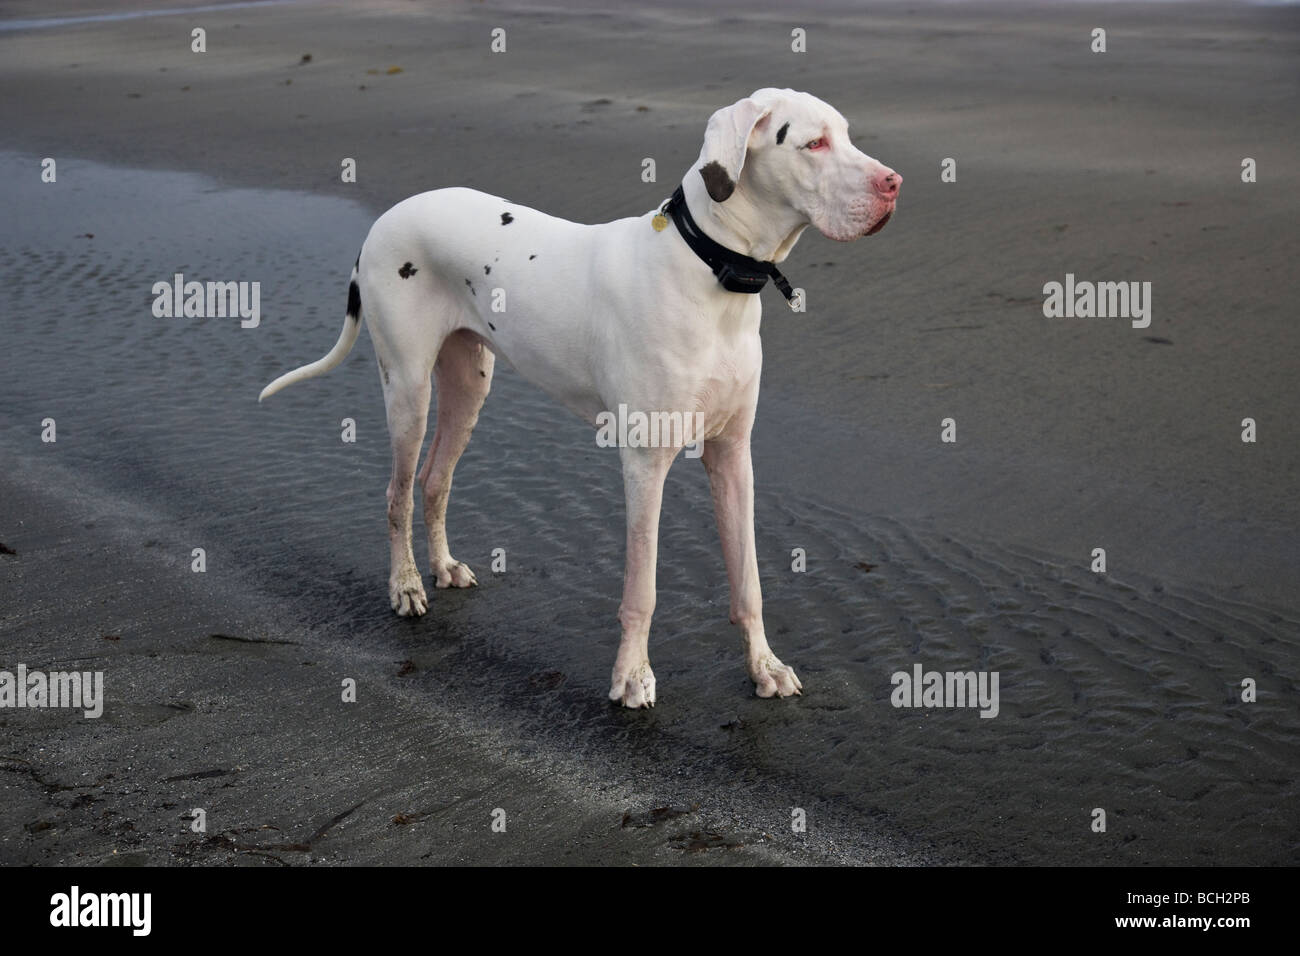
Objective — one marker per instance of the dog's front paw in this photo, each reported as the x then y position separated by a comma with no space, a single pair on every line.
453,574
635,688
406,594
774,679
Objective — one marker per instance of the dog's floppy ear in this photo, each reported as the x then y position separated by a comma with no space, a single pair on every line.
726,141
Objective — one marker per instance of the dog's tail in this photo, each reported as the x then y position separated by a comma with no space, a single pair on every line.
347,338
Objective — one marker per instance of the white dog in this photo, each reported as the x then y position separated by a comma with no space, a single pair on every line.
652,314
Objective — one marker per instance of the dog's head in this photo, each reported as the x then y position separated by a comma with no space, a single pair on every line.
791,148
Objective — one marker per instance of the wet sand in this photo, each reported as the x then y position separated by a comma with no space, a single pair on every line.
1119,691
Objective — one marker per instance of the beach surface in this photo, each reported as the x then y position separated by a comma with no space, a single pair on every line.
1120,691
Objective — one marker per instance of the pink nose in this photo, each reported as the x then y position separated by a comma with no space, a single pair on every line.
886,183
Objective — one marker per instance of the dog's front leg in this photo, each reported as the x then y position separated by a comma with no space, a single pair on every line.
644,471
731,476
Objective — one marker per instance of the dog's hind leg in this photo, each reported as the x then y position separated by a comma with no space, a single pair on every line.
463,372
406,397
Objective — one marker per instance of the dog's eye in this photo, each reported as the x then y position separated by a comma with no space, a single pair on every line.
815,144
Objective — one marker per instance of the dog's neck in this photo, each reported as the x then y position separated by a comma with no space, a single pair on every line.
763,231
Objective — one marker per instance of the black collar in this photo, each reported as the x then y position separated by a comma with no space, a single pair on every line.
736,272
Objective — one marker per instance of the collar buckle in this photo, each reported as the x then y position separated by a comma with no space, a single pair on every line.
735,272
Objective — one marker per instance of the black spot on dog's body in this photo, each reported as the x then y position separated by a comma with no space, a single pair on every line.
471,288
354,301
532,257
492,327
506,219
407,271
780,134
717,181
487,270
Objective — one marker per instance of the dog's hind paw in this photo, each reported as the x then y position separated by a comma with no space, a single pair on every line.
774,679
453,574
635,689
406,594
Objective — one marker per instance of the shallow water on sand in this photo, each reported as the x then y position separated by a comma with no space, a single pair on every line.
1115,692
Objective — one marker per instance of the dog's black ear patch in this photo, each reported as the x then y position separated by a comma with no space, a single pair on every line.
407,271
780,134
354,301
717,181
506,219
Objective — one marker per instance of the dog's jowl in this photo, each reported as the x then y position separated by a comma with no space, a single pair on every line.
653,316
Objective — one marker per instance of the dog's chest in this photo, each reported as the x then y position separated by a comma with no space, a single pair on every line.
721,377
